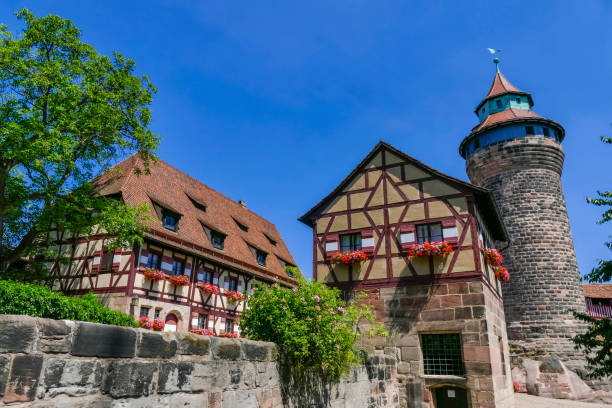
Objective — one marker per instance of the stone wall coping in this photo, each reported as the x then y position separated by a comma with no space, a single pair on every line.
24,334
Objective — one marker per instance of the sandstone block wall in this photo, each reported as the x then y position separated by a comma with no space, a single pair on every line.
525,177
49,363
468,308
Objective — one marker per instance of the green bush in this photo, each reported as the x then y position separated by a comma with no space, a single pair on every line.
311,325
39,301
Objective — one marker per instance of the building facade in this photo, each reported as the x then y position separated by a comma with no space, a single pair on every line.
517,154
194,232
444,312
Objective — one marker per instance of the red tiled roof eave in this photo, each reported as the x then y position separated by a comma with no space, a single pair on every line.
597,290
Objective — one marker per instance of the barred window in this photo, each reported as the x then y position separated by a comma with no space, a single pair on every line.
442,354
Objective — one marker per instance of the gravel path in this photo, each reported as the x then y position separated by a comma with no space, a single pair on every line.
530,401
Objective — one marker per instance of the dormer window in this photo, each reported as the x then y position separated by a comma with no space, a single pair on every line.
170,220
200,206
217,239
261,257
242,226
273,242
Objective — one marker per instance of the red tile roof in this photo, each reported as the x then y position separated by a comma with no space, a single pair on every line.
171,188
501,86
597,290
506,116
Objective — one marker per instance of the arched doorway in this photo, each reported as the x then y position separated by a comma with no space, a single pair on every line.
171,322
449,396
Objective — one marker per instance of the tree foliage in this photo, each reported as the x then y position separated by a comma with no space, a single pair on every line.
596,342
66,114
313,327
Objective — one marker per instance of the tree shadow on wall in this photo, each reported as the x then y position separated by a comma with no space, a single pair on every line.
309,388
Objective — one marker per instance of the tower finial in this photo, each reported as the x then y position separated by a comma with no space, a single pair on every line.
495,60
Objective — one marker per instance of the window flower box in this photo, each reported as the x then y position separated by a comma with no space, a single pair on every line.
230,335
349,257
179,280
234,297
158,325
493,257
430,248
209,288
154,274
203,332
502,274
145,323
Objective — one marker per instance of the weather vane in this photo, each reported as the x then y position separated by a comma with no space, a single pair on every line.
495,60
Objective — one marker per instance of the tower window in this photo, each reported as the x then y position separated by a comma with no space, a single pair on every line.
350,242
442,354
529,130
518,100
429,233
546,131
482,110
499,103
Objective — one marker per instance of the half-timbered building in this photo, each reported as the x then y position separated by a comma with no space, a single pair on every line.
194,232
444,312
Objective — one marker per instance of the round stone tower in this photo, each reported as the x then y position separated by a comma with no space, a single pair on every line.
517,154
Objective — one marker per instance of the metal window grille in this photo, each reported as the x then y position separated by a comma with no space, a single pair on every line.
442,354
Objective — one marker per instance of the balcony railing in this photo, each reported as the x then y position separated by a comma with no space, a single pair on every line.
598,310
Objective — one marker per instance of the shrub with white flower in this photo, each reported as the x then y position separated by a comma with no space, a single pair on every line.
310,324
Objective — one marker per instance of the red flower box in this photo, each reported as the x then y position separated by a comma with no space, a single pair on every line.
502,274
234,296
430,248
230,335
493,257
179,280
203,332
145,323
158,325
154,274
209,288
349,257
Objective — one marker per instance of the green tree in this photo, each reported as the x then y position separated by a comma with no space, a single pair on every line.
66,114
596,342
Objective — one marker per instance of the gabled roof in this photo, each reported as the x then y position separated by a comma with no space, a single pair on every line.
169,187
597,290
483,197
501,86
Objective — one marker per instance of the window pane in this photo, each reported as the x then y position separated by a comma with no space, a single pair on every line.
202,321
442,354
157,312
345,243
435,232
422,233
228,325
232,283
356,242
144,312
177,267
529,130
153,261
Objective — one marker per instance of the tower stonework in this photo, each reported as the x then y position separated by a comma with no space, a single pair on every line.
517,155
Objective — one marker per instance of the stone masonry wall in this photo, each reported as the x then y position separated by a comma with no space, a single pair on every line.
468,308
50,363
525,177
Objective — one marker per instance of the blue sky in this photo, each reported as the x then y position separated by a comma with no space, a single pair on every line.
275,102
